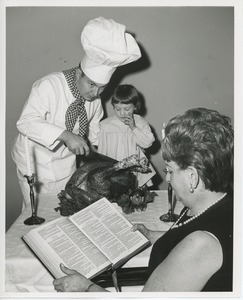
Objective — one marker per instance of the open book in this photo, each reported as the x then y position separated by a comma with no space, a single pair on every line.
91,241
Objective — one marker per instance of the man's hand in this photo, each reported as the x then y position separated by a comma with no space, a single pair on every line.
75,143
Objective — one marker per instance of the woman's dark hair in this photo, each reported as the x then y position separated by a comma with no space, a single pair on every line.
204,139
126,94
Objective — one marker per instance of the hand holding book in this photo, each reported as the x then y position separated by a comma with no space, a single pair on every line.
73,282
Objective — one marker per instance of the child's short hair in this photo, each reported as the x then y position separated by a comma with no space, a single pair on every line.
126,94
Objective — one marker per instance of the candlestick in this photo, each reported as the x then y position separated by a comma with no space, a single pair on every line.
34,219
27,155
169,216
138,157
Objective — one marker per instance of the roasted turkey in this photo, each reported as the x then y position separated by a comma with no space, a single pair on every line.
100,176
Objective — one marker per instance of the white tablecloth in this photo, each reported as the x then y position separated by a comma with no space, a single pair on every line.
25,273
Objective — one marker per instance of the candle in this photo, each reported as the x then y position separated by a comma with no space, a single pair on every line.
137,151
27,155
163,131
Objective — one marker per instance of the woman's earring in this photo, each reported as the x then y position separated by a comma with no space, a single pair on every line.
191,190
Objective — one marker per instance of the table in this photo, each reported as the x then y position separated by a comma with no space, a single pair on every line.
25,273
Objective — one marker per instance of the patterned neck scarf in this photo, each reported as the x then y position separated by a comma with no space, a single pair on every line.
76,110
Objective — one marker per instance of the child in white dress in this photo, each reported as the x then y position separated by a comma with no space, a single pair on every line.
126,133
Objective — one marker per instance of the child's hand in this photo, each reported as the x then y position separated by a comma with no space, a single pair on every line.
129,120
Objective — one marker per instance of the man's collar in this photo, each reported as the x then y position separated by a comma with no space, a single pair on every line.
71,78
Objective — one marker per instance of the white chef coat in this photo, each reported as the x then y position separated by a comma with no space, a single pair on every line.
43,121
118,141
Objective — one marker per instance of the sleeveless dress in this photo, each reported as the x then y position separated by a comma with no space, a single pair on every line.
217,220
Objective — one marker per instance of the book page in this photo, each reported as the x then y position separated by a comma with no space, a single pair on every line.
109,230
60,241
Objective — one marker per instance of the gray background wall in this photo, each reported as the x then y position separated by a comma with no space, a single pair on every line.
188,61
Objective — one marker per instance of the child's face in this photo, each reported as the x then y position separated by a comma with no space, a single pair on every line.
122,111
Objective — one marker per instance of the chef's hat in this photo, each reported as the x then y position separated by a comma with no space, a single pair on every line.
107,46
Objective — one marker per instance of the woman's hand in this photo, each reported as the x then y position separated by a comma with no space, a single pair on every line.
151,235
142,229
73,282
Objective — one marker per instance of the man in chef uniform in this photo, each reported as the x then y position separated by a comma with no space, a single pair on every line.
64,109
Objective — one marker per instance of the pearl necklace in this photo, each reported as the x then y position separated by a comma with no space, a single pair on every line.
177,224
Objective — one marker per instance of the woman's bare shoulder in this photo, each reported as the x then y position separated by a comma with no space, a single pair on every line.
189,265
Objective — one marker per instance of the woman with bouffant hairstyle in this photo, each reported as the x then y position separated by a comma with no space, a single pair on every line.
196,253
